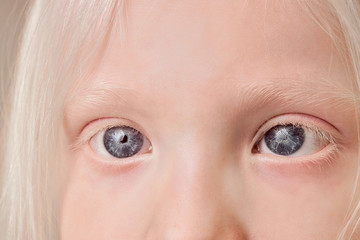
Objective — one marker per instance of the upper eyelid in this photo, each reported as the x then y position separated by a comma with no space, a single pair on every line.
86,137
323,135
318,131
293,119
89,130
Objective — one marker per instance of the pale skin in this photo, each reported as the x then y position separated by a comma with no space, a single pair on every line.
201,80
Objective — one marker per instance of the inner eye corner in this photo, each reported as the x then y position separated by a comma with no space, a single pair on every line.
255,148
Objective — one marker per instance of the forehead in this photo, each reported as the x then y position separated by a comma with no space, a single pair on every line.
212,51
195,41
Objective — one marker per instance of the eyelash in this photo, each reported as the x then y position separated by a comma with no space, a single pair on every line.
94,130
318,132
324,135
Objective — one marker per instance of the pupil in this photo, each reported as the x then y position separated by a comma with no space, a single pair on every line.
124,139
285,139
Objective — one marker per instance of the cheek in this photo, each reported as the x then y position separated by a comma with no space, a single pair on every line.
295,202
270,203
100,205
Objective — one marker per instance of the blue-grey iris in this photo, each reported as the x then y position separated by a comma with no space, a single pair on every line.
123,141
285,139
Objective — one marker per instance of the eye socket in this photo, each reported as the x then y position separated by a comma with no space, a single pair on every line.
120,142
291,140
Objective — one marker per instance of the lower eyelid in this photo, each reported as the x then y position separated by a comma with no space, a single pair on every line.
105,166
319,160
310,169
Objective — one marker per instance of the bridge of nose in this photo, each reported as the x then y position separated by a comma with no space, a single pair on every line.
195,201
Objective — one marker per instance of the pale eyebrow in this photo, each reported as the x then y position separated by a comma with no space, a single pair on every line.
288,92
99,96
280,93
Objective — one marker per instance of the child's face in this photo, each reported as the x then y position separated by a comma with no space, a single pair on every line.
204,83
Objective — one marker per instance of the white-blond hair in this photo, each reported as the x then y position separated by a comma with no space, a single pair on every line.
58,43
57,46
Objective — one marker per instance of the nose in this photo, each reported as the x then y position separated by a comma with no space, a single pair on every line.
196,200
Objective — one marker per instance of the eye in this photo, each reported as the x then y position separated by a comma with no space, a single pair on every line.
120,142
291,140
